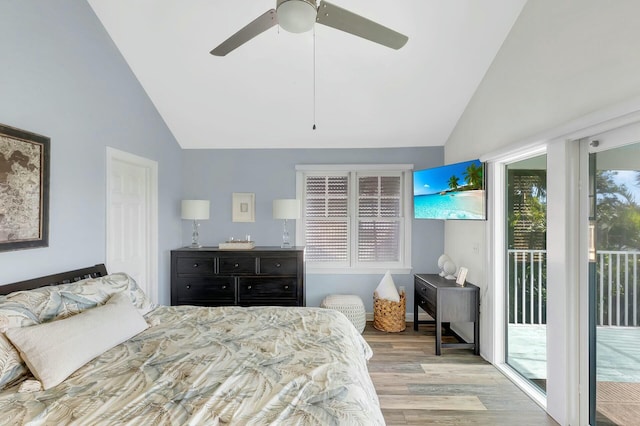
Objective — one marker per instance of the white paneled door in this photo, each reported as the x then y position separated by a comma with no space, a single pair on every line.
132,218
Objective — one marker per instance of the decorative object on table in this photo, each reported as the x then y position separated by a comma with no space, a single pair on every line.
441,260
195,210
24,201
462,276
389,306
449,268
233,244
350,305
243,207
286,209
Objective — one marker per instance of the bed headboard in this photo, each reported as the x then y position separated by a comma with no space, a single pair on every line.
55,279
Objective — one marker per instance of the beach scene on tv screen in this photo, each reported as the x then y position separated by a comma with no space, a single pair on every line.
454,191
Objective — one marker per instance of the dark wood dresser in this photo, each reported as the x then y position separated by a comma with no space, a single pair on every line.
261,276
447,302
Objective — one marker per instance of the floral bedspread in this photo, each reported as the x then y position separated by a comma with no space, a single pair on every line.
216,366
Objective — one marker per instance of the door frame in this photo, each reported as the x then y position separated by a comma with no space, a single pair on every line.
151,170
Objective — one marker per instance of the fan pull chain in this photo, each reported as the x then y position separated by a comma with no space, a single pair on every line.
314,77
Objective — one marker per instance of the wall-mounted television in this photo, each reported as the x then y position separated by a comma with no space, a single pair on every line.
454,191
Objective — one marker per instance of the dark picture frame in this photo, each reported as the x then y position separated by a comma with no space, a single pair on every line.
24,189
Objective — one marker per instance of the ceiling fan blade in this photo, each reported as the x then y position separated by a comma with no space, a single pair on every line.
341,19
257,26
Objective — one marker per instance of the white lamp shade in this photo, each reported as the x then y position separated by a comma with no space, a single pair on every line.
296,16
195,209
286,209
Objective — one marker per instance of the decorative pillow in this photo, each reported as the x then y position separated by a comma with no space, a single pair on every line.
12,367
387,288
27,308
12,314
54,350
55,302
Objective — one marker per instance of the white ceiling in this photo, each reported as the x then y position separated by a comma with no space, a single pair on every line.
262,94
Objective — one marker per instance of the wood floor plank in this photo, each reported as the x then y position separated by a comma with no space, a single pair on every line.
416,387
430,402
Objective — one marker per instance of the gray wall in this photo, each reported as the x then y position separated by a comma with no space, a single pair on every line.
61,76
215,174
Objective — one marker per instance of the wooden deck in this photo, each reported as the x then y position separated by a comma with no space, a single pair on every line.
618,403
617,367
416,387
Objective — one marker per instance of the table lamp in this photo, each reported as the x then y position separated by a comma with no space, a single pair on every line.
195,210
286,209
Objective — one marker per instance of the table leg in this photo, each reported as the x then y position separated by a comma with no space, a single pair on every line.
476,337
438,337
415,311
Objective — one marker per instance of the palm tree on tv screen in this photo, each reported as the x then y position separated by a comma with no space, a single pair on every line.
473,176
453,182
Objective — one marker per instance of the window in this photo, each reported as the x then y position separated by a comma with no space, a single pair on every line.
355,218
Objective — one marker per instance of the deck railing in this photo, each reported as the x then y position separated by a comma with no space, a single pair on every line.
617,287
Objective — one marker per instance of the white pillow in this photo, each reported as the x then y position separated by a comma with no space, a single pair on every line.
387,288
54,350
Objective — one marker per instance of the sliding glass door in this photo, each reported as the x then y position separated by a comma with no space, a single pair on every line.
614,278
526,269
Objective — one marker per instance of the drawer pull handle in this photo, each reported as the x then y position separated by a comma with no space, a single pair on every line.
277,265
224,287
248,287
286,287
236,265
195,265
188,286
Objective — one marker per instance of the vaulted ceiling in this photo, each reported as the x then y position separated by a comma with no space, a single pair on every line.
270,92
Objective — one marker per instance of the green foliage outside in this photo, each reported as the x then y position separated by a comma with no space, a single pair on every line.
617,213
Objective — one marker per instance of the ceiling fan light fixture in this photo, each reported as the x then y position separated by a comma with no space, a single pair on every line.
296,16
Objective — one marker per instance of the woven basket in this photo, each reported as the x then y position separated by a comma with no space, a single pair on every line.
389,315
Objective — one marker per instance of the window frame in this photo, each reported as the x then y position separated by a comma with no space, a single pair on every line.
352,266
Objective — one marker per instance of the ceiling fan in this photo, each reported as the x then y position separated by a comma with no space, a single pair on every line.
298,16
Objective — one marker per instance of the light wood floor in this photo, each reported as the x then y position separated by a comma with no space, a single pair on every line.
416,387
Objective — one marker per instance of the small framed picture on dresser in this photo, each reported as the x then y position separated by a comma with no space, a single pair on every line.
462,276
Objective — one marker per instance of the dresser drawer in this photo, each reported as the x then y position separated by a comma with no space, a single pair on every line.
237,265
278,266
253,290
428,307
425,290
201,291
195,266
426,295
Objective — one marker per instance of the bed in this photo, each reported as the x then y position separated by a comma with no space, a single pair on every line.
188,366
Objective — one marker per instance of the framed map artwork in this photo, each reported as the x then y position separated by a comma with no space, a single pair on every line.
24,189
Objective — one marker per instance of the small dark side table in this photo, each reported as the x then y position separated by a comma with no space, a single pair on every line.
447,302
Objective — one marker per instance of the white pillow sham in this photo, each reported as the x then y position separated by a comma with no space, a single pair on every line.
387,288
54,350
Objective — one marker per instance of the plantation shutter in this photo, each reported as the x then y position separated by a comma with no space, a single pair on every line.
327,218
379,216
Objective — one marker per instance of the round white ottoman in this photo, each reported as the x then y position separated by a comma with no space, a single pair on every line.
350,305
